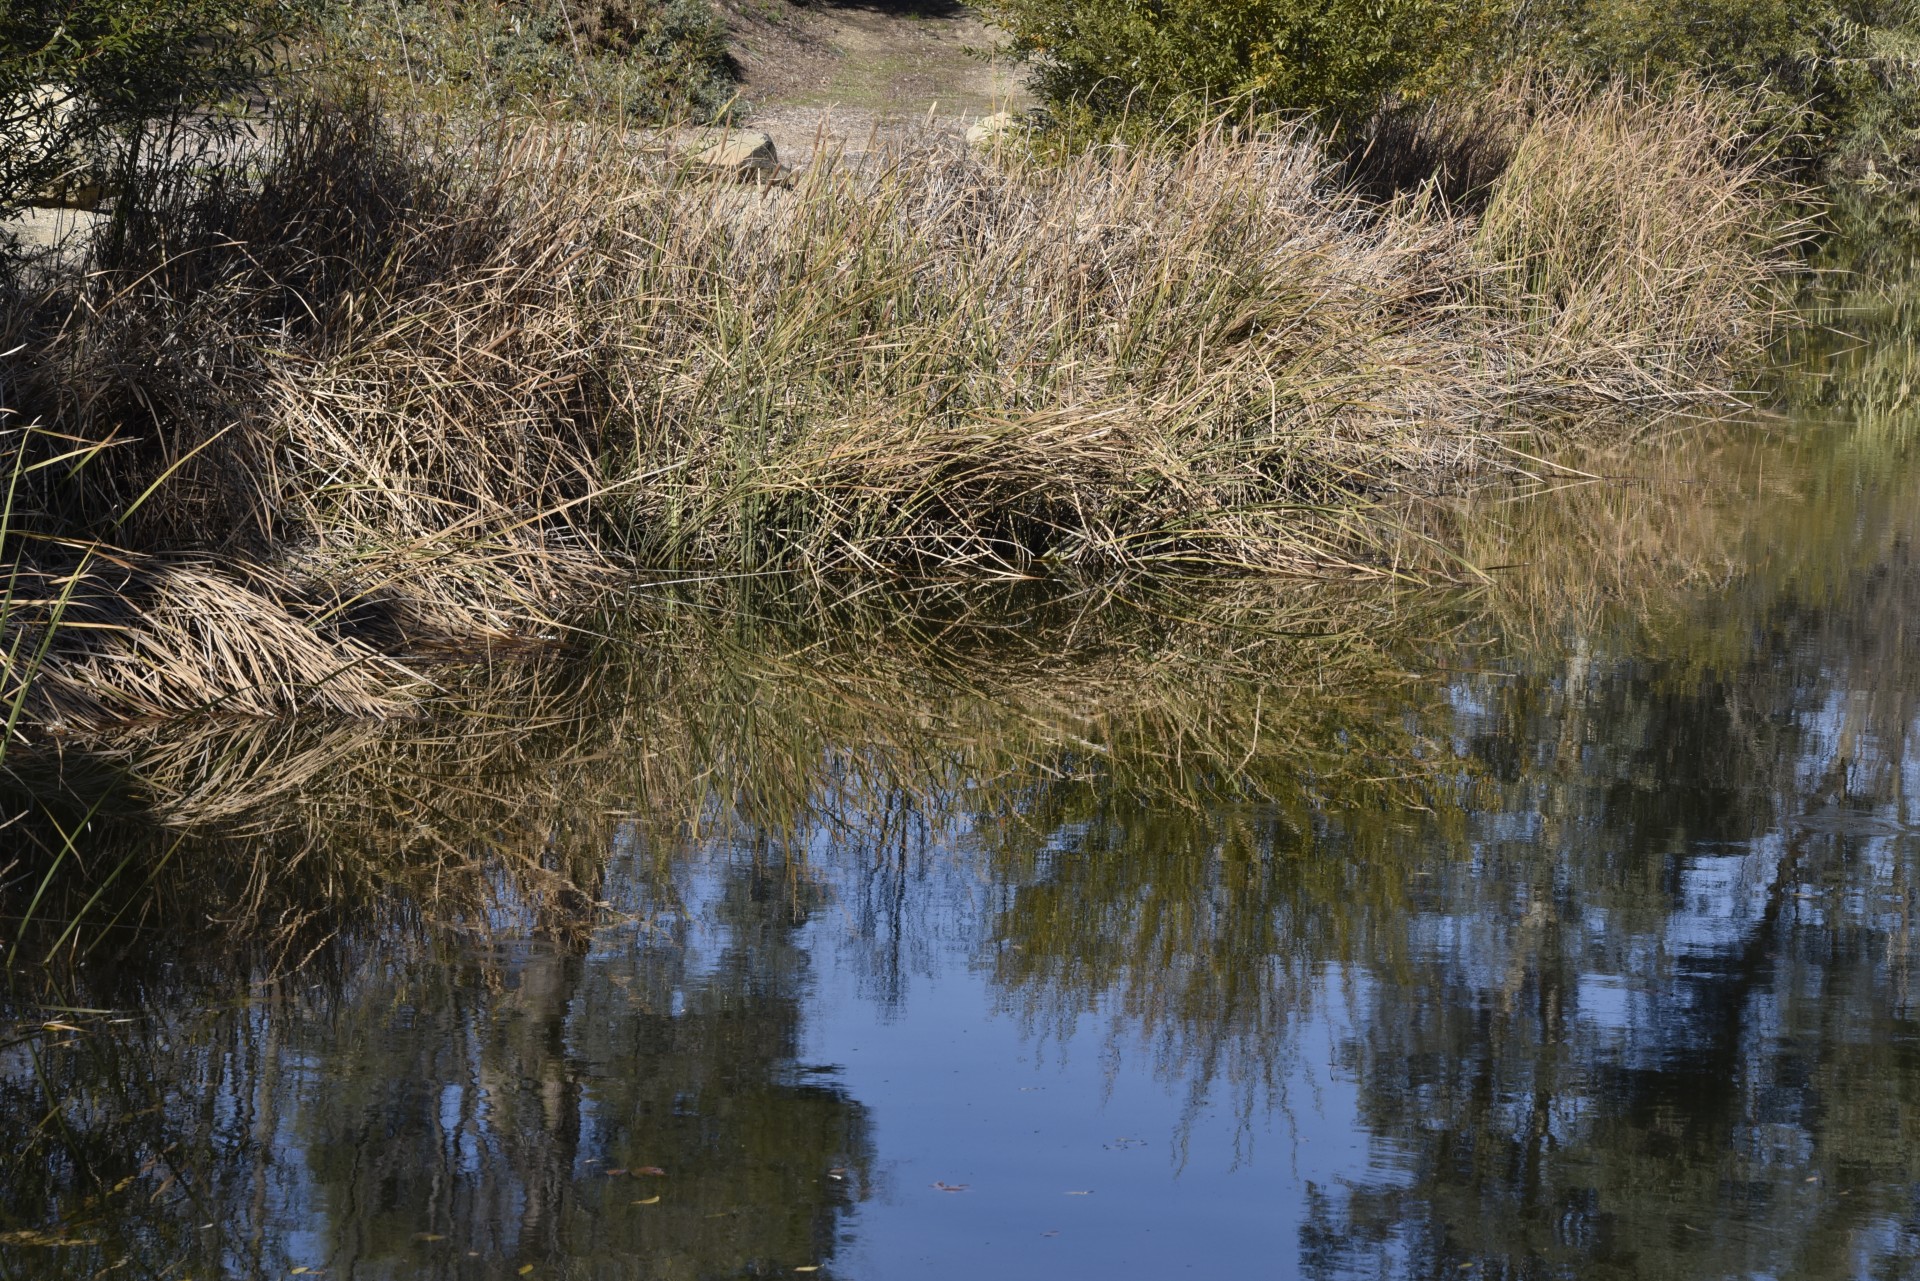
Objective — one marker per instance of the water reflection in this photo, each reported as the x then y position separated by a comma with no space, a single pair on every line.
1657,1017
1557,927
633,1102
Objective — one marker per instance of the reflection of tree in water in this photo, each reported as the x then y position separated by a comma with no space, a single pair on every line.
1658,1022
1633,1002
1648,1033
417,1118
1180,932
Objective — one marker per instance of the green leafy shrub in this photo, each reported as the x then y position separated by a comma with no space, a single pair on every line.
1840,78
76,74
1338,56
1836,81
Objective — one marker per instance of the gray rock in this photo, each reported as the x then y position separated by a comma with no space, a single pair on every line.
744,155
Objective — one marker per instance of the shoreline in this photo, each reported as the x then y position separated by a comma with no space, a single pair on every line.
389,387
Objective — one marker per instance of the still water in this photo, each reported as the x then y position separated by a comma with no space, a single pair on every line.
1556,926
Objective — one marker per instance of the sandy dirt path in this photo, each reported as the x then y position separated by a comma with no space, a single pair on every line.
843,74
850,69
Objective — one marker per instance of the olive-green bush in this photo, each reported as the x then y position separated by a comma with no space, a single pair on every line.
1161,56
649,60
1839,79
1834,80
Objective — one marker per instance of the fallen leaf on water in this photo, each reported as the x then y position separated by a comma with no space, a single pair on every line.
525,1268
650,1169
616,1171
951,1187
652,1200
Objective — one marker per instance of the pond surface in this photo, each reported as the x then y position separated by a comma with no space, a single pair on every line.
1561,926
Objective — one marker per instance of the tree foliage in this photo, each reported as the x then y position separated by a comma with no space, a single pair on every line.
1338,56
1841,75
75,72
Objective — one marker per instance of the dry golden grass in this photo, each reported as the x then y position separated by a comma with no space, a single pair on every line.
445,383
1605,268
142,638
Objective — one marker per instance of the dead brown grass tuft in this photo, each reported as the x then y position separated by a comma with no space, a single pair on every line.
1627,231
134,638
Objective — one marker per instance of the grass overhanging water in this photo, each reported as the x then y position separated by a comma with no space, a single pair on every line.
388,386
1157,786
371,468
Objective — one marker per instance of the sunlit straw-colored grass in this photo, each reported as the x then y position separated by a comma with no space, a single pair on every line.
441,383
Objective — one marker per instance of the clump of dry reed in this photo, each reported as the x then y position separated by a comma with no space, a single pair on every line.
141,638
1629,230
442,382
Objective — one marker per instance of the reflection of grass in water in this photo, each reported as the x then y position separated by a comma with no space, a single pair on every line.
1643,532
772,717
766,720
